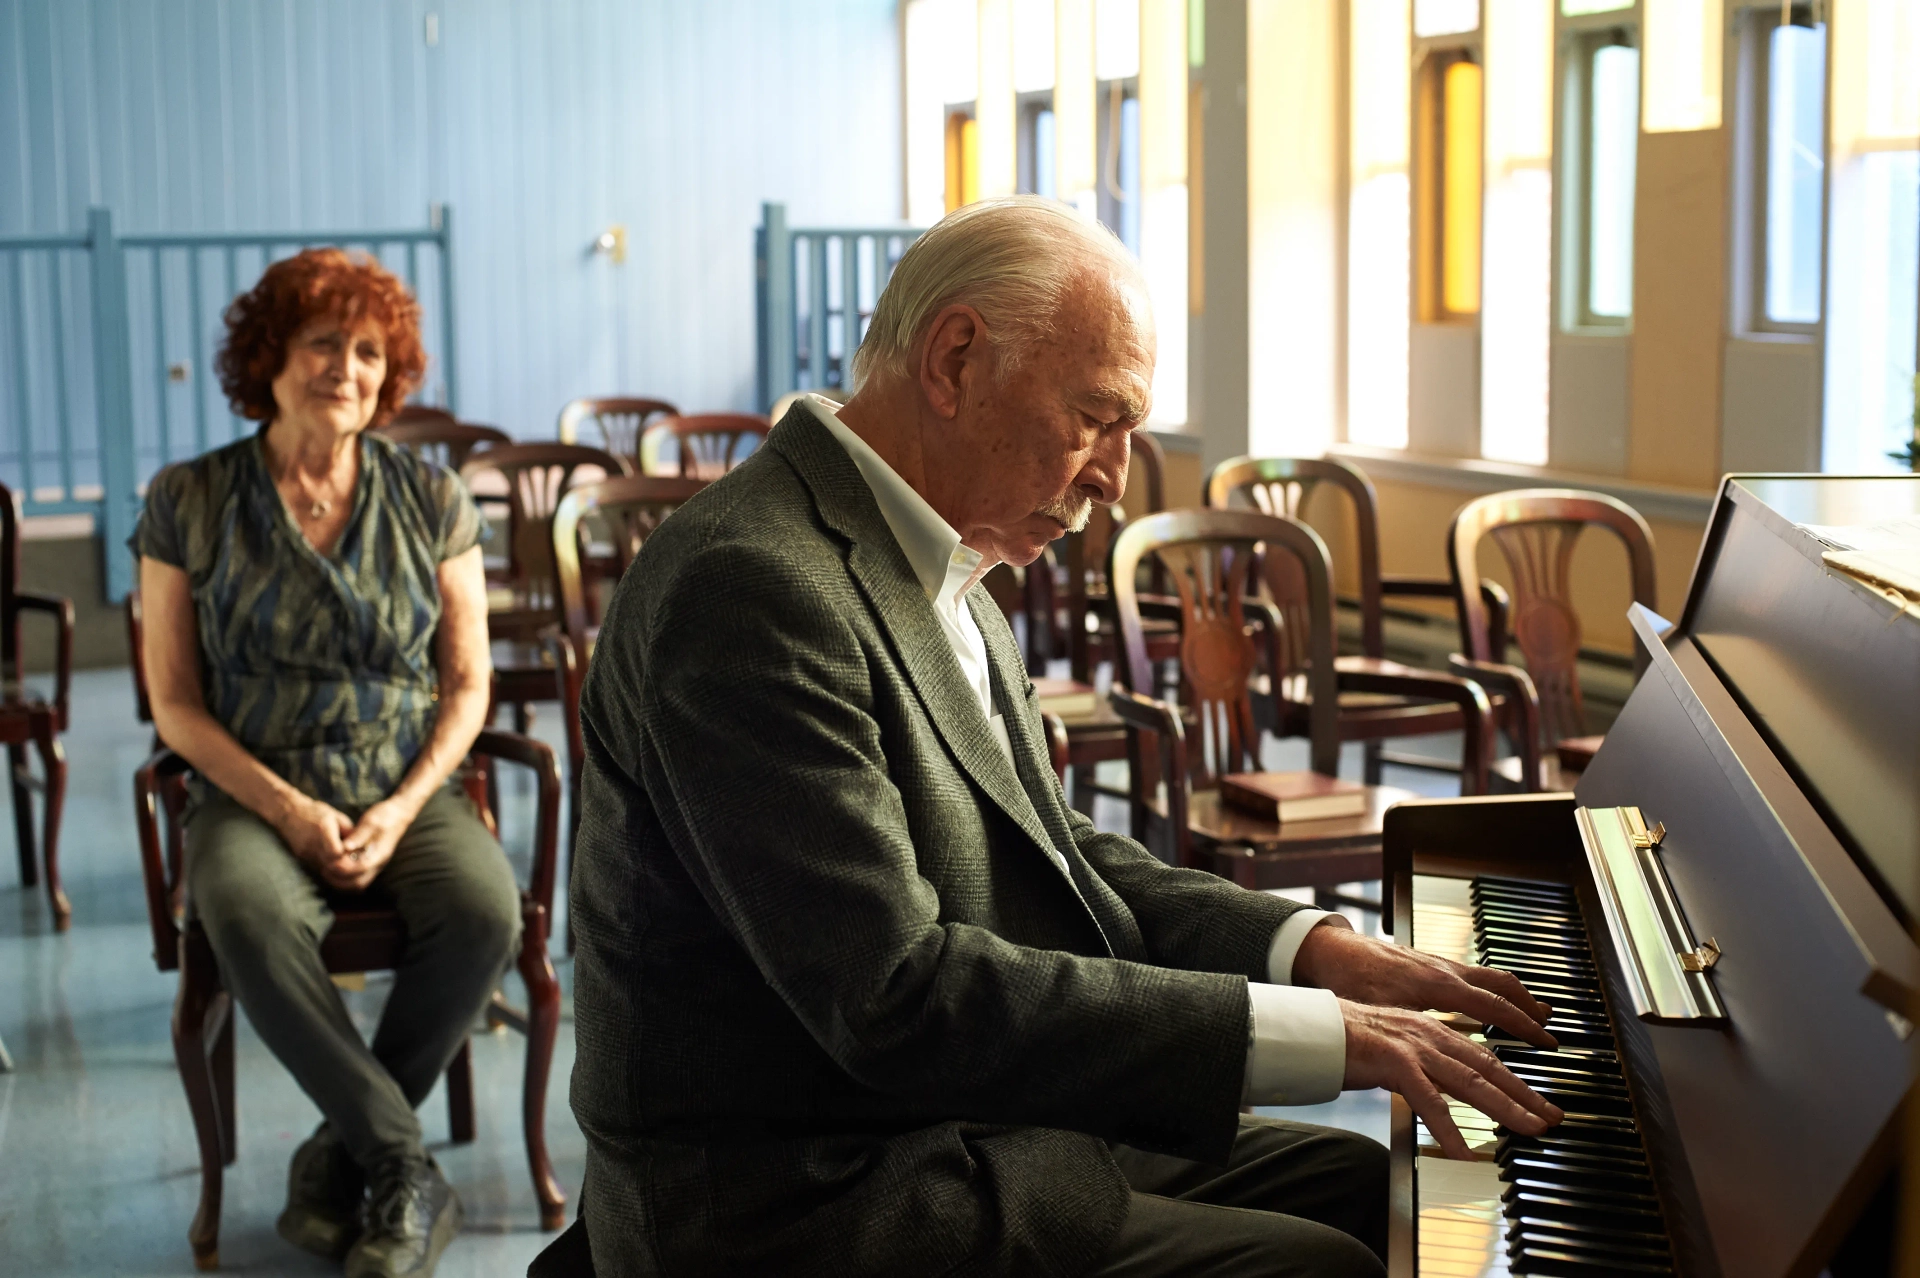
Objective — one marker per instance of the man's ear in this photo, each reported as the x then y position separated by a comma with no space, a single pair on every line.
955,341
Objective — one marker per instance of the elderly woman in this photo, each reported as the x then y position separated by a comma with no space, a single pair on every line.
316,647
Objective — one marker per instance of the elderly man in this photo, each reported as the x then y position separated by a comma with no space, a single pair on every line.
857,993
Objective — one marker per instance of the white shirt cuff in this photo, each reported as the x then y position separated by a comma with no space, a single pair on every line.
1287,938
1298,1055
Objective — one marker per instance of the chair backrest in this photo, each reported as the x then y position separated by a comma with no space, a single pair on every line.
619,421
448,442
631,507
537,477
411,414
1210,557
1282,486
1083,556
1536,530
711,444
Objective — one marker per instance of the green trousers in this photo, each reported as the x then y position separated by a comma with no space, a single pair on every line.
265,913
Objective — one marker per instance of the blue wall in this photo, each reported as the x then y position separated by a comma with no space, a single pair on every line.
539,122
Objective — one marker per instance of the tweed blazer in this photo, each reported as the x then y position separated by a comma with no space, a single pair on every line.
839,1010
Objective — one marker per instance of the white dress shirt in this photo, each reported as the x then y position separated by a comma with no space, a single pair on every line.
1297,1041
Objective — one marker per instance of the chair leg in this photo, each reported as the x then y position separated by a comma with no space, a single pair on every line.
53,759
190,1010
23,816
543,1027
1373,769
460,1094
220,1064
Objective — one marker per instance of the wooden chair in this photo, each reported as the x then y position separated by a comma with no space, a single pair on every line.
411,414
1211,557
363,940
447,442
536,477
1282,486
1536,530
621,422
27,718
710,444
1064,588
631,507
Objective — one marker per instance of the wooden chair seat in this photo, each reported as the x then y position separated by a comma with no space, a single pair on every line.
360,940
1257,853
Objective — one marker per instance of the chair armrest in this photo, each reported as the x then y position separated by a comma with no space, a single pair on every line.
62,609
1149,718
1476,711
569,673
148,779
511,747
1516,685
1056,730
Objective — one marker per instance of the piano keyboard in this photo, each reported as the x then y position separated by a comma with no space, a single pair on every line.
1578,1200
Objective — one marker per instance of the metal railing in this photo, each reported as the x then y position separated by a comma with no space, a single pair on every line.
107,344
816,291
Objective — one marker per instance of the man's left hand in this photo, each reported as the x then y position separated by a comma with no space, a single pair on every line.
1363,970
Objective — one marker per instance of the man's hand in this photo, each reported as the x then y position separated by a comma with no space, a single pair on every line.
1356,967
368,846
1385,990
1420,1058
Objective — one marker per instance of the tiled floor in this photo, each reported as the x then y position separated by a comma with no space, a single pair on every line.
98,1167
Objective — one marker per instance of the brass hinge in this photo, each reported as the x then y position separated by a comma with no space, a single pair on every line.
1701,959
1650,838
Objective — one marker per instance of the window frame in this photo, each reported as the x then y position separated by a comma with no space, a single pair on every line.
958,110
1432,57
1028,108
1754,25
1107,205
1581,38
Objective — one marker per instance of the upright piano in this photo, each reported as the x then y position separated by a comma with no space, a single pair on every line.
1720,915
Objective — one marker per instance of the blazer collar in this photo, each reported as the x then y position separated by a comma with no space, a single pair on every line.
846,504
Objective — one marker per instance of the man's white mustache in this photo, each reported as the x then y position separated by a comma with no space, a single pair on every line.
1070,510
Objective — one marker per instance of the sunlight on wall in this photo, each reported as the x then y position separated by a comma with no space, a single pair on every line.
1516,299
1293,196
1680,84
941,54
1116,39
993,104
1873,271
1163,186
1032,45
1379,227
1075,133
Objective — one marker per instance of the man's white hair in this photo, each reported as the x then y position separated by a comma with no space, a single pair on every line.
1013,260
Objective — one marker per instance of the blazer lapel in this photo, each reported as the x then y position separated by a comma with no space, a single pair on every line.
905,614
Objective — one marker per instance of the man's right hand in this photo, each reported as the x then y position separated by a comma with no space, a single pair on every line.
1426,1061
314,830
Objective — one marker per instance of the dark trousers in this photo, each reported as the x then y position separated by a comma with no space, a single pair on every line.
266,913
1293,1201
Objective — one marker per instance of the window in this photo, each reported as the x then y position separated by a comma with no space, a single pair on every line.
963,157
1035,142
1794,163
1599,150
1448,140
1118,204
1781,171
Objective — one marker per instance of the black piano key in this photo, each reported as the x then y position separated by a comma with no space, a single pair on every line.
1575,1210
1572,1071
1551,1263
1568,1037
1594,1157
1588,1236
1593,1197
1576,1175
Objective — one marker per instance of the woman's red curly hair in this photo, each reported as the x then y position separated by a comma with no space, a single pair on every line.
315,282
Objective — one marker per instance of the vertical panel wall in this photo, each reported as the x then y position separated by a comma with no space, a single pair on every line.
540,124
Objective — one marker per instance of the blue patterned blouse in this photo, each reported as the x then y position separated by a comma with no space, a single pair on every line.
321,666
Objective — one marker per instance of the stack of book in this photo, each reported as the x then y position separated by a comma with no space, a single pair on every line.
1292,796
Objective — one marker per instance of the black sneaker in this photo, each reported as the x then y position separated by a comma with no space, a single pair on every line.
324,1191
412,1217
